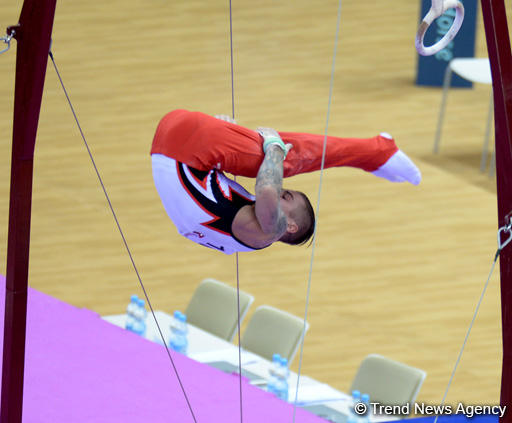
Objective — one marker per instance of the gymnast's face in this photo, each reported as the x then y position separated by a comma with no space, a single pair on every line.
291,202
300,217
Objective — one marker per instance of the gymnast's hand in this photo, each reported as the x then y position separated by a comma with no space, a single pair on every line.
272,137
226,118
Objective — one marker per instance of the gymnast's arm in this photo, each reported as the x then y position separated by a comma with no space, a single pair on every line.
269,181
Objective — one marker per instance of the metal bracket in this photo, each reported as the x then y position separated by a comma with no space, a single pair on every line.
504,229
11,33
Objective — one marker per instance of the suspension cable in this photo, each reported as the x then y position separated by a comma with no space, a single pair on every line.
122,236
329,102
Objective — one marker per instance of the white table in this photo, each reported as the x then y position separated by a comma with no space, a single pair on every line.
202,346
210,349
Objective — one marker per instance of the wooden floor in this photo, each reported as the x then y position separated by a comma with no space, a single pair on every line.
398,270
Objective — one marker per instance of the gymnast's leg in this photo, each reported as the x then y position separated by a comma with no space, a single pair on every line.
378,155
204,142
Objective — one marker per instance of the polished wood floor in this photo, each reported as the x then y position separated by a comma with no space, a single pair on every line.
398,270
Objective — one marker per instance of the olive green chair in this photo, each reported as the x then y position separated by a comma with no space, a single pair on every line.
271,331
213,308
388,382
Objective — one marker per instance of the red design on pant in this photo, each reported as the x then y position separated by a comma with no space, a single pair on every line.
204,142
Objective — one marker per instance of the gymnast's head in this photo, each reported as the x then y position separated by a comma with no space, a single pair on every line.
300,217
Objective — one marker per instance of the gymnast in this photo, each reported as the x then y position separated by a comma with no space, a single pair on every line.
191,151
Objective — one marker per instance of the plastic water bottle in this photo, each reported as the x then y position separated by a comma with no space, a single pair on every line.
183,333
139,327
353,417
273,371
282,379
365,399
136,317
130,313
179,341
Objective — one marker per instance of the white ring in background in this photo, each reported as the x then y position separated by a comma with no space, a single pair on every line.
437,9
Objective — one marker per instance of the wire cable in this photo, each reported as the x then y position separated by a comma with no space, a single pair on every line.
122,234
329,102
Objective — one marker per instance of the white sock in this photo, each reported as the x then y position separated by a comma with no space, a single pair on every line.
399,168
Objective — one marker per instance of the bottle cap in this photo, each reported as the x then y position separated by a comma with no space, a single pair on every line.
133,298
276,357
356,394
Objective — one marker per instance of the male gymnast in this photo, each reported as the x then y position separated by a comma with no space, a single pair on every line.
191,151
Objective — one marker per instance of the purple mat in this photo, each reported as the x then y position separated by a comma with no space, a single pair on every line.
79,368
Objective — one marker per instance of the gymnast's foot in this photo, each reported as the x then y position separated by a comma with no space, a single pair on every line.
398,168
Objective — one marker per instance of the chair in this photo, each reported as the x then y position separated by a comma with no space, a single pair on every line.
213,308
388,382
476,70
271,331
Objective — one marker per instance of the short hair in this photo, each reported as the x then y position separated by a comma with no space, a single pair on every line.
306,223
